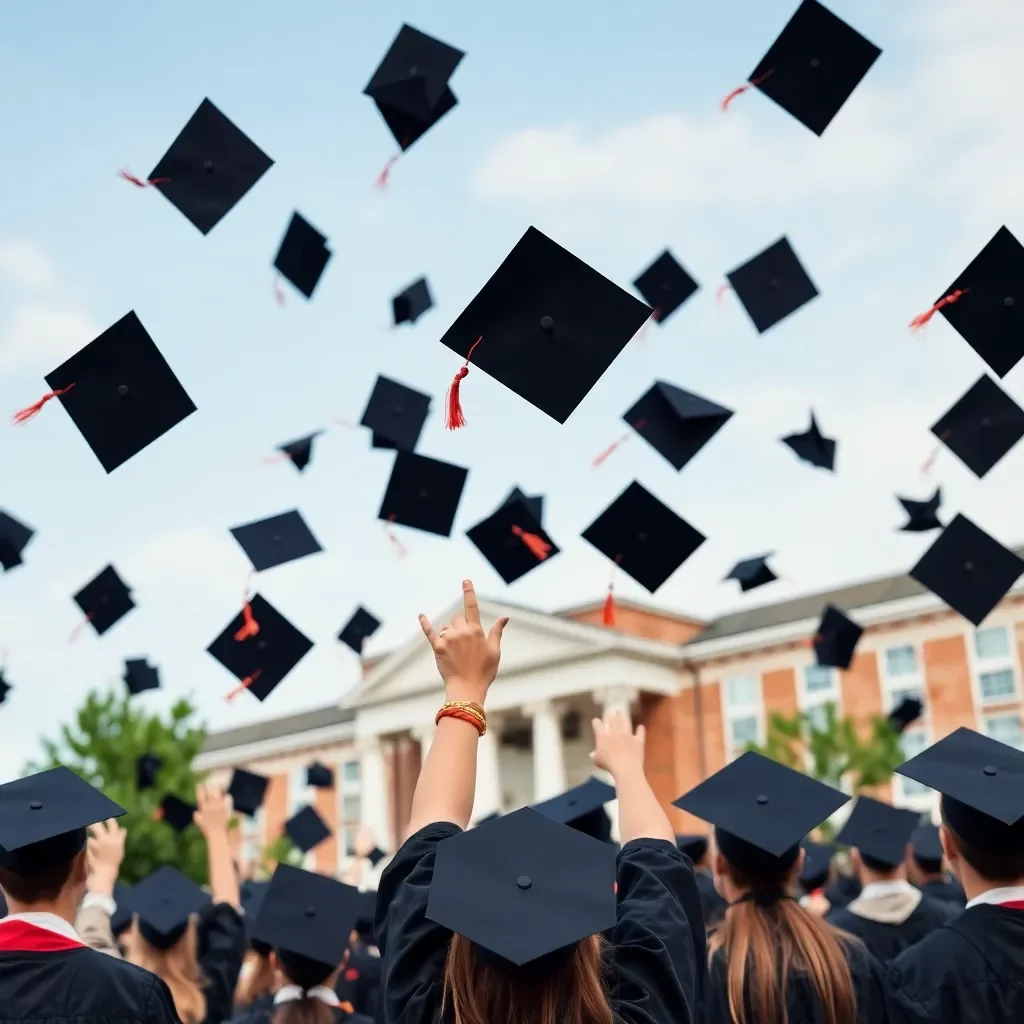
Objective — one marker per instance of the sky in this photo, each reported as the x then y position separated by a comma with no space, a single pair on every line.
604,133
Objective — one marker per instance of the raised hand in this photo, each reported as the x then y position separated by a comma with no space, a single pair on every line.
213,809
617,748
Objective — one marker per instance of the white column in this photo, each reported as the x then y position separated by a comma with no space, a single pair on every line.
616,698
373,801
487,798
424,735
548,762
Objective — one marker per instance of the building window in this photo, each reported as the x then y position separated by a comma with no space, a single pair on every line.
298,791
350,810
820,688
252,840
819,680
350,772
744,712
1006,729
913,742
996,665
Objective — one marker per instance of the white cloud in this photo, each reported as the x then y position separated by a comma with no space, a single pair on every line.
43,335
25,265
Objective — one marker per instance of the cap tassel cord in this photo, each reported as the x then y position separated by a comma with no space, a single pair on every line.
142,182
77,631
385,175
250,627
615,446
930,461
279,296
243,685
31,411
608,612
652,319
922,318
720,292
746,87
400,549
538,546
454,417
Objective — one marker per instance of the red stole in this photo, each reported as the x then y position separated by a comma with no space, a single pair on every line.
1012,904
22,937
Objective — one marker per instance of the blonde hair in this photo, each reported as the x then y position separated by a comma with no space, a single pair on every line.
177,967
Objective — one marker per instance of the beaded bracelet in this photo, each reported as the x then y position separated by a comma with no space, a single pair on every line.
464,711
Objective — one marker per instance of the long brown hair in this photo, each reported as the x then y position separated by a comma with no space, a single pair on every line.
763,945
256,979
307,974
177,967
573,993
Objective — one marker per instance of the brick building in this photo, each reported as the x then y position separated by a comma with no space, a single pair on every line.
703,689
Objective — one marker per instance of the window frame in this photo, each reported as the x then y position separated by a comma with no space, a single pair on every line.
747,709
808,701
980,665
351,788
986,718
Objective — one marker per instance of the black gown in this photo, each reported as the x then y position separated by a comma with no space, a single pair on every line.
656,949
359,983
949,890
711,901
261,1011
844,890
969,971
883,940
220,948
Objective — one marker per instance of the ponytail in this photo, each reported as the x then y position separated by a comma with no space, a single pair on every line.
307,1010
307,977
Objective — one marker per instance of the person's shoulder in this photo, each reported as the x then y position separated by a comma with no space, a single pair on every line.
125,973
843,919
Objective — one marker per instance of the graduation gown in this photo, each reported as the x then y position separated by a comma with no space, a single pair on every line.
261,1011
656,950
220,949
887,934
969,971
948,890
711,902
48,976
844,890
359,982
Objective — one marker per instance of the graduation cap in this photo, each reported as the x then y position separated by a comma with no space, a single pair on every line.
359,628
277,540
835,639
209,167
665,286
43,818
772,285
5,687
968,569
676,423
412,302
982,426
817,865
164,903
376,855
695,847
512,540
922,516
121,919
306,829
813,446
105,600
879,831
813,67
147,767
763,804
406,129
927,847
644,537
300,451
119,392
903,716
262,660
752,573
423,493
319,776
523,888
14,538
982,307
247,790
303,255
140,676
396,414
581,808
176,812
367,909
535,503
546,325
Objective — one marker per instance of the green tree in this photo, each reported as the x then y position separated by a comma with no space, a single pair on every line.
102,745
278,851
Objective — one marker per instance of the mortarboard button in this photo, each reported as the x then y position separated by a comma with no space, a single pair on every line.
140,676
813,446
396,414
303,255
247,790
423,493
554,367
512,540
879,831
922,515
105,600
772,285
412,302
752,573
359,628
209,167
164,902
968,569
306,829
275,541
836,639
14,538
665,286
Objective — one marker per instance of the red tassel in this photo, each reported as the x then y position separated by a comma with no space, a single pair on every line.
142,182
721,290
279,296
400,549
158,814
744,88
250,627
608,614
930,461
30,411
244,685
539,547
279,457
385,175
453,404
922,318
615,446
77,631
652,319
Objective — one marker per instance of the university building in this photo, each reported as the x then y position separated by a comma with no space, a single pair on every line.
702,689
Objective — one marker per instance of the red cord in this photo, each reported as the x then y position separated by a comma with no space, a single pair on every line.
744,88
539,547
30,411
922,318
454,417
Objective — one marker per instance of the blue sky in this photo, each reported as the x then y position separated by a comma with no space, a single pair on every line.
602,132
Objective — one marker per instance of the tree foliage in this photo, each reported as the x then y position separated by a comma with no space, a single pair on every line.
103,743
278,851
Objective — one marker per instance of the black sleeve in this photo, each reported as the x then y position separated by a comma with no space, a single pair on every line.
221,948
159,1004
658,943
412,949
869,982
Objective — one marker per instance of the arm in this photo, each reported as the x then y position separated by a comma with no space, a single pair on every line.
213,813
104,852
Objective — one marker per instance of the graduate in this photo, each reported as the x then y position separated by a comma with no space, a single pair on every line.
359,981
697,849
507,922
257,980
925,869
814,877
47,973
972,968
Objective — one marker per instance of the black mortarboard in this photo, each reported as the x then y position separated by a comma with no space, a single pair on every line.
252,895
375,856
968,569
523,888
534,503
164,903
407,129
14,538
982,426
5,687
645,538
752,572
209,167
927,847
263,660
300,451
303,255
367,908
140,676
308,914
247,790
423,493
772,285
817,865
582,808
176,812
396,414
43,818
836,638
513,541
762,802
695,847
277,540
985,312
903,716
359,628
147,767
665,286
813,446
120,392
306,829
879,831
121,919
412,302
105,600
319,776
922,516
550,325
676,423
815,64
